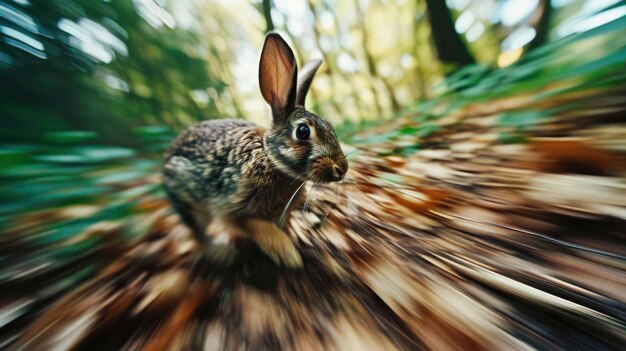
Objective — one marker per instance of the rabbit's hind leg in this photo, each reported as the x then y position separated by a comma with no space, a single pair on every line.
209,240
220,232
186,213
274,242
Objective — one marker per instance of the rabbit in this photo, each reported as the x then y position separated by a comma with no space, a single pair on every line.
232,176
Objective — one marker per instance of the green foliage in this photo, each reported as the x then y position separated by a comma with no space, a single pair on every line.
100,68
584,61
522,119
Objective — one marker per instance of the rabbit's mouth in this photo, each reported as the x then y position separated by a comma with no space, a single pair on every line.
327,170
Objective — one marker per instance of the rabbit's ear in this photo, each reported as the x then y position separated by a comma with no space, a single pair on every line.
278,76
306,77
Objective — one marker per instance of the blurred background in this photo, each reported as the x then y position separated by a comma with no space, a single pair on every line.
93,91
109,67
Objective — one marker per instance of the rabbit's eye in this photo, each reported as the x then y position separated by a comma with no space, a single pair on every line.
303,132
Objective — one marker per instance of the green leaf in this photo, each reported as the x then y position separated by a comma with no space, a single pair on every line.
511,138
522,119
377,138
426,130
71,136
88,154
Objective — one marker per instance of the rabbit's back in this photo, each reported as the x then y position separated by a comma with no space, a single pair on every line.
207,162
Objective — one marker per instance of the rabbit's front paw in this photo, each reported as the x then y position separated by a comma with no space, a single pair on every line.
275,243
281,249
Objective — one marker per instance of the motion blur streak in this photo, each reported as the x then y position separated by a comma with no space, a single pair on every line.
488,214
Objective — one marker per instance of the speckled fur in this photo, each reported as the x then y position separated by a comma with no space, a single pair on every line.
222,166
237,170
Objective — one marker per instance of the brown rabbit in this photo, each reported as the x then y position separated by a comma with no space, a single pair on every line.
231,176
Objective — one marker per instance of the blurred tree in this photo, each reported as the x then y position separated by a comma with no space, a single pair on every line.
416,48
543,24
267,14
330,67
450,47
111,66
50,86
370,61
102,66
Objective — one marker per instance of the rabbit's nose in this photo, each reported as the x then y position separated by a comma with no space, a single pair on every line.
337,172
340,168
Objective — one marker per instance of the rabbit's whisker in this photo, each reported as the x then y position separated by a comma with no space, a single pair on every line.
345,182
305,208
331,205
298,177
310,196
348,154
281,221
345,193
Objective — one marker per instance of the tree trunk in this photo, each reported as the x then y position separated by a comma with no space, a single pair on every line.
420,84
450,47
330,61
267,13
542,25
